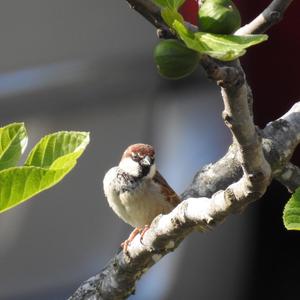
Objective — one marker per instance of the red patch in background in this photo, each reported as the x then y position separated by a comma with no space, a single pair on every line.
189,11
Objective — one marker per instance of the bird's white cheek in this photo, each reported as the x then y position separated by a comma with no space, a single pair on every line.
129,166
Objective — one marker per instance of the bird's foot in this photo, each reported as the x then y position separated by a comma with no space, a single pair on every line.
132,235
145,229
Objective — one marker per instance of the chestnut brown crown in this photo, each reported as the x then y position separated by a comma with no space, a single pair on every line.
139,152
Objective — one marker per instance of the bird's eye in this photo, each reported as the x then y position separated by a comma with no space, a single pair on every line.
134,155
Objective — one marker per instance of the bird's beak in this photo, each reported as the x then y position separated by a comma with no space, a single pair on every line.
147,161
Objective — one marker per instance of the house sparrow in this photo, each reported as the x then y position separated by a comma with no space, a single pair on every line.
136,191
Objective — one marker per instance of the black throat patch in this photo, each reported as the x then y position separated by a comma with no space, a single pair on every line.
127,182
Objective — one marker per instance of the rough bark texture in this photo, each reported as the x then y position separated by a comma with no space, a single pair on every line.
289,177
219,189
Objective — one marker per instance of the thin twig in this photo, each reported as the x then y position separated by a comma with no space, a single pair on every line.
270,16
151,12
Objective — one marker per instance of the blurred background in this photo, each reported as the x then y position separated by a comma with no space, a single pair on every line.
87,65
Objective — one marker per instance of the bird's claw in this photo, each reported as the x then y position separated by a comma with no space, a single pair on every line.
145,229
132,235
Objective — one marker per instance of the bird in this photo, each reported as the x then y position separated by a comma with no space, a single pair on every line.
136,191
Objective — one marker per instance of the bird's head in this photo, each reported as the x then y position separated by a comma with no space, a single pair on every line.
138,161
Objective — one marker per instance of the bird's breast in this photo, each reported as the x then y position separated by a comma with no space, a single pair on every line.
143,204
137,202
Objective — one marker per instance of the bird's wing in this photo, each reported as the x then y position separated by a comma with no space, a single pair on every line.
170,194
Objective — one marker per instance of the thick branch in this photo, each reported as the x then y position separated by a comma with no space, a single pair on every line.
289,177
244,183
237,116
270,16
279,139
117,279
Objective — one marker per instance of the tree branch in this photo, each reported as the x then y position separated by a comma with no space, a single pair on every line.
117,279
289,177
151,12
226,187
279,138
270,16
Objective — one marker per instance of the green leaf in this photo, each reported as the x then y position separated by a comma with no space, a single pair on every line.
170,15
222,47
229,41
13,141
55,146
173,4
291,212
48,162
